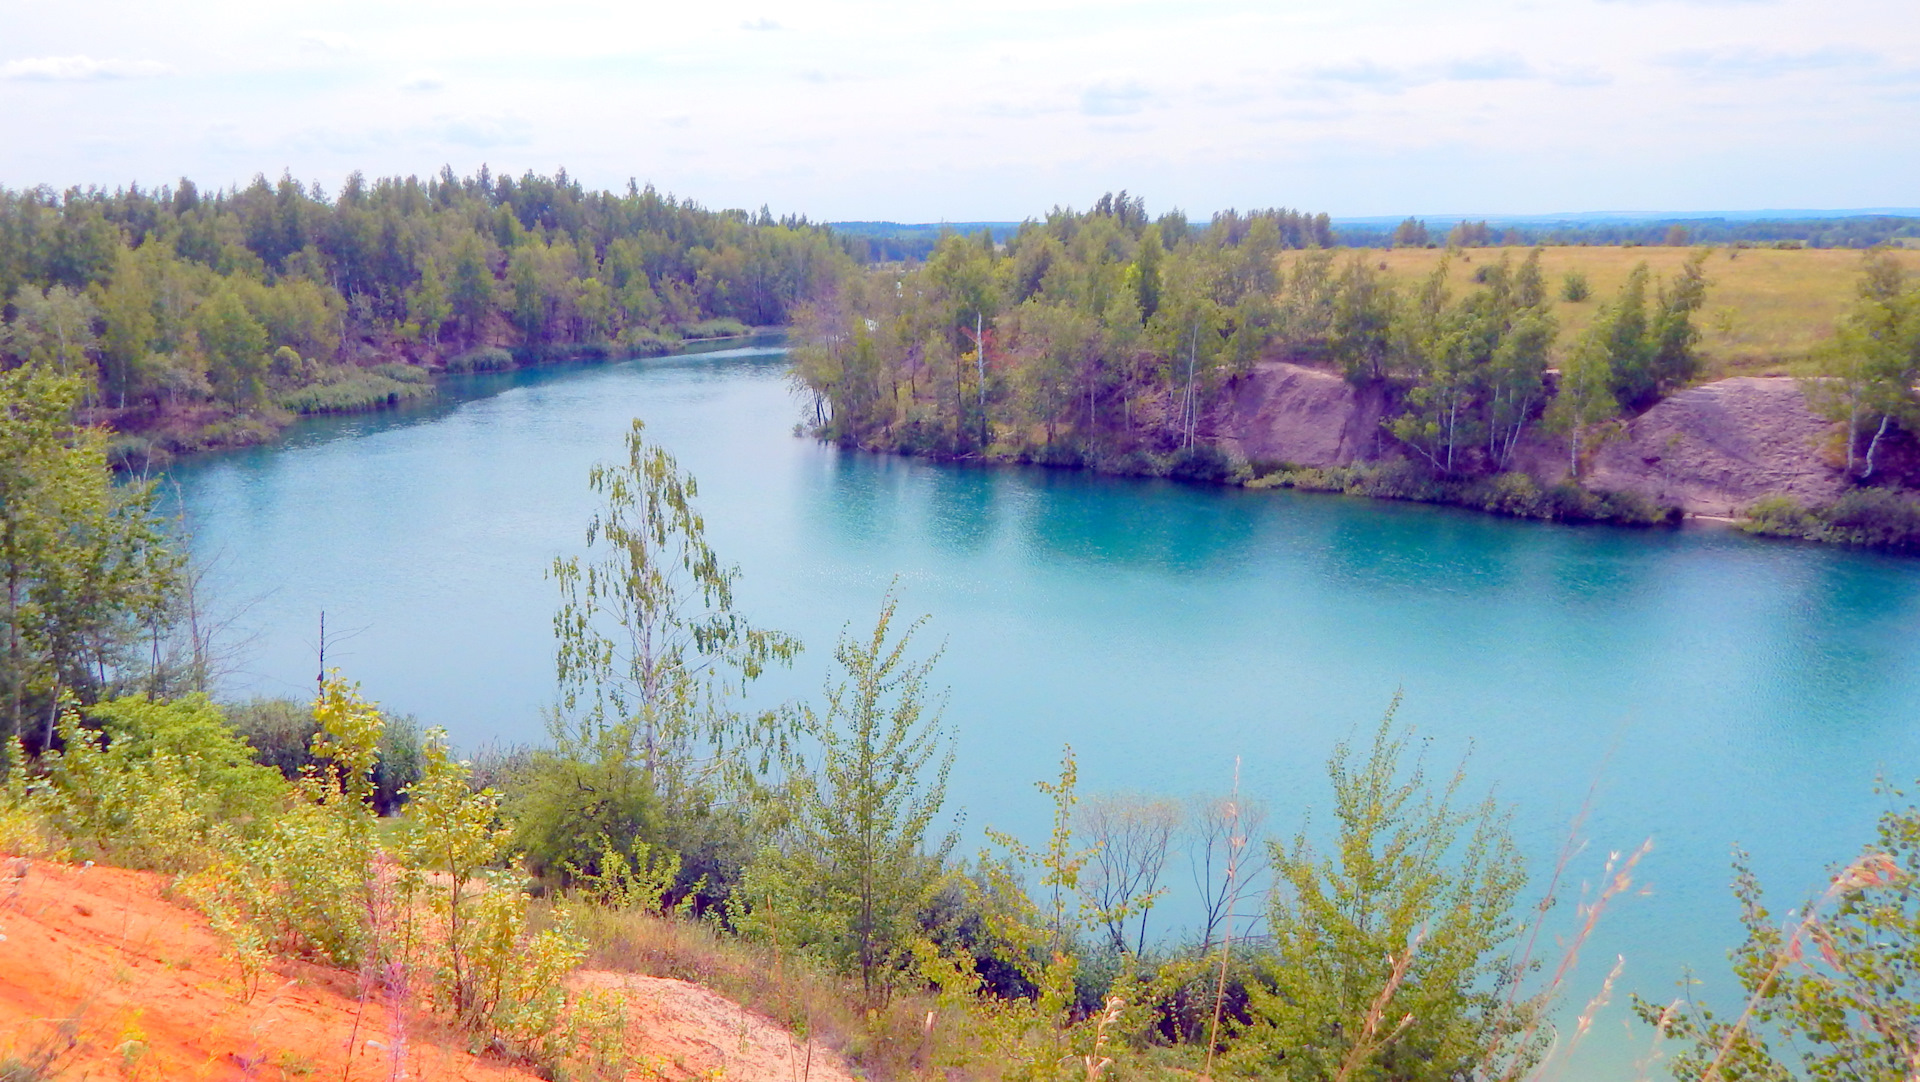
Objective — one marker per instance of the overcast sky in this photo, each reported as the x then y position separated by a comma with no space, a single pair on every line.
995,109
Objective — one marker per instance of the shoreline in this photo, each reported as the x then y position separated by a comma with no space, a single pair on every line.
202,429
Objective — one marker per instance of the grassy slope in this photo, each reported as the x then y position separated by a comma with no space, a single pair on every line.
1766,308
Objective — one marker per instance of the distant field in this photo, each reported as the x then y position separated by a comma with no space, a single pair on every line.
1766,308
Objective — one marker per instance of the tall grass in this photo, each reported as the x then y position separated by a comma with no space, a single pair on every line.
1766,308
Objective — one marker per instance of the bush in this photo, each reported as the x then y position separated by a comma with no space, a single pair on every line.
647,342
1574,287
282,732
724,327
482,359
1870,517
359,390
1878,517
1781,516
1828,990
1200,462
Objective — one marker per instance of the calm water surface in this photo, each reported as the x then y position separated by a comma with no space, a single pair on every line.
1724,691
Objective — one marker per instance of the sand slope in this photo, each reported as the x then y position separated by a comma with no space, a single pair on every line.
100,969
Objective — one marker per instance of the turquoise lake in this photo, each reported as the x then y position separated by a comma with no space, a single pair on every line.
1722,690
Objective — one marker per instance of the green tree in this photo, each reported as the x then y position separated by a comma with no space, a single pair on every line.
1389,948
1146,271
1361,337
126,306
855,867
471,293
54,328
1584,397
430,306
1868,370
651,659
85,572
235,345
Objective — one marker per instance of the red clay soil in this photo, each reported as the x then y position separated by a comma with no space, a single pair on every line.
100,970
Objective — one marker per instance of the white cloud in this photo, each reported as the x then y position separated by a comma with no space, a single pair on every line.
327,41
762,23
80,69
1114,99
423,81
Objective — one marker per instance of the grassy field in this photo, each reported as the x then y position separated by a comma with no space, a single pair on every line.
1766,307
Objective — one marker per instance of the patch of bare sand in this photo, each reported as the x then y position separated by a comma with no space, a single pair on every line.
1715,449
683,1032
1286,412
99,969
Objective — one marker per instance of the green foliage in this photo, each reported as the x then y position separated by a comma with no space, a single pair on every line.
1574,287
236,348
652,658
652,654
715,328
1091,337
1389,948
484,359
1867,372
183,302
86,578
143,801
1514,494
1831,992
352,390
1870,517
853,869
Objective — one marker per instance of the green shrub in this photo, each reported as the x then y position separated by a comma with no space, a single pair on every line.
723,327
1200,462
567,810
1878,517
649,342
1574,287
1870,517
282,732
403,373
481,359
359,390
1780,516
1828,990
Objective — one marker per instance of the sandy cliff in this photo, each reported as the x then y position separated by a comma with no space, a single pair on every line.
108,978
1286,412
1711,450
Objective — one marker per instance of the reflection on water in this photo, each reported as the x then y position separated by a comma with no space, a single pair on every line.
1725,690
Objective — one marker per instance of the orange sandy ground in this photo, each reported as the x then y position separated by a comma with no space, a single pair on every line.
113,981
120,983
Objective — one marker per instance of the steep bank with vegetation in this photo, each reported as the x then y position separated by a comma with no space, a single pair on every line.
1238,352
212,319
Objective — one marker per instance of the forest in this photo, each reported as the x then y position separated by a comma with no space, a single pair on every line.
1107,340
801,856
208,319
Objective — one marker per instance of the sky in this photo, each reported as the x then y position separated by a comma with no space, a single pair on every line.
994,109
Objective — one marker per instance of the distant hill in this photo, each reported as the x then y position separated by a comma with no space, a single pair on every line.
896,241
1811,228
1862,228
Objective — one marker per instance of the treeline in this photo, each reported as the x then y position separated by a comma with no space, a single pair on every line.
1096,334
239,302
1860,231
1108,340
